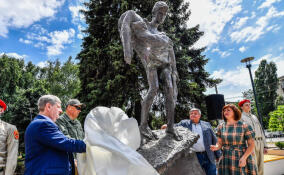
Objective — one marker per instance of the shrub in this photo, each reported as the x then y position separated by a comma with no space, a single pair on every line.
280,145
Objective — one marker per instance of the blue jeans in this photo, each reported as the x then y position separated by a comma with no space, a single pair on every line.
209,168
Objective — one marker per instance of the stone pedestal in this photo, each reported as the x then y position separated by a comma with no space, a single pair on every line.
171,157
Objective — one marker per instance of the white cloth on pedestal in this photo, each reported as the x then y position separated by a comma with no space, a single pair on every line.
112,139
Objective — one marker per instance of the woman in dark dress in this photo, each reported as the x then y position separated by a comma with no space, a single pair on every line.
236,139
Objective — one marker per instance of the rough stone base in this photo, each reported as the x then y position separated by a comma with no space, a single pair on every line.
171,157
186,165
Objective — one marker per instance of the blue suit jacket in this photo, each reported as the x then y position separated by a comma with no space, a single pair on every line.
48,151
209,137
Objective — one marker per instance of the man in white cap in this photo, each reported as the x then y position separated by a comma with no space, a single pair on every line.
9,143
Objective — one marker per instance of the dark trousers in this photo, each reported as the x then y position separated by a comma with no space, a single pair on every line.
209,168
71,163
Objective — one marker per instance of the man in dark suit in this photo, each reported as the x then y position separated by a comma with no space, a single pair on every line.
205,156
48,150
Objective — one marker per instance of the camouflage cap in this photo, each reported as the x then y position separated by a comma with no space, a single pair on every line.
74,102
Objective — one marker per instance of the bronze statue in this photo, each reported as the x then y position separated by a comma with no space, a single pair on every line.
156,52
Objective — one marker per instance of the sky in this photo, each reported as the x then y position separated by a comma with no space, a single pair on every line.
44,30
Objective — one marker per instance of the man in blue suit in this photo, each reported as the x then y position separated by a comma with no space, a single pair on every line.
48,150
205,156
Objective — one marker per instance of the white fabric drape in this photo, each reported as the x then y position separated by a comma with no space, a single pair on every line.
112,139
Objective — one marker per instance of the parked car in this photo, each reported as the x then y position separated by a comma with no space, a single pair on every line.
273,134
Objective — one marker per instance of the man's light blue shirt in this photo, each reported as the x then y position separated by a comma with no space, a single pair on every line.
199,145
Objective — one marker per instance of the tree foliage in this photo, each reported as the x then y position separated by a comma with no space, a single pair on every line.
249,95
107,80
276,121
22,84
279,101
62,79
280,145
266,86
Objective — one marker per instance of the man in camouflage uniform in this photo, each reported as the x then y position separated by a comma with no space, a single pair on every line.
68,123
9,143
260,147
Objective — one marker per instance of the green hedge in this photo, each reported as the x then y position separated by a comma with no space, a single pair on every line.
280,145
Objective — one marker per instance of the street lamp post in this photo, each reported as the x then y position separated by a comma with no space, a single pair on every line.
248,65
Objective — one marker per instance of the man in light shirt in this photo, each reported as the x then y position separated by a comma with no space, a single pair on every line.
260,147
205,156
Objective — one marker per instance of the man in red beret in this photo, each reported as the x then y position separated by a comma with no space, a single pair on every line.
260,143
9,143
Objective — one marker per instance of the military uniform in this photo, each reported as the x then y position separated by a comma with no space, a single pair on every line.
70,128
260,141
9,143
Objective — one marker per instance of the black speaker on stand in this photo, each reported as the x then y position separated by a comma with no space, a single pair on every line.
214,104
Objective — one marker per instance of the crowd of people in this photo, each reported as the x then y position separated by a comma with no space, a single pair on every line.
51,140
238,146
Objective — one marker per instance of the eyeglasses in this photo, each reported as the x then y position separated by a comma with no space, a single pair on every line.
77,107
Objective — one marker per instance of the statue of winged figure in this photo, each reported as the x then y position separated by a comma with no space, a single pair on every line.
155,50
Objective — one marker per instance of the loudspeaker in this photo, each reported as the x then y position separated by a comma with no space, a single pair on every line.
214,104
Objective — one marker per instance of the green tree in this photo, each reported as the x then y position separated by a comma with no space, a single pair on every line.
24,108
279,101
22,84
107,80
276,121
11,74
16,80
61,80
266,86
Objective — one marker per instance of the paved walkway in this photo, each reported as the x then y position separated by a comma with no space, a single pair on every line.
273,165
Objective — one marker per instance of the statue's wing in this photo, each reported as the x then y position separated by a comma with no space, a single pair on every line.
125,33
120,22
